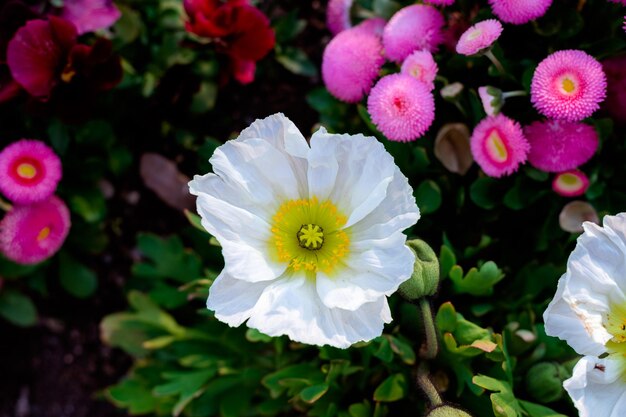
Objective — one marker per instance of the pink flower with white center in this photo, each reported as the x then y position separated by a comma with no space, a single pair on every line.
569,85
440,2
498,145
615,103
479,37
557,145
29,171
351,63
32,233
518,12
570,183
338,15
401,107
422,66
413,28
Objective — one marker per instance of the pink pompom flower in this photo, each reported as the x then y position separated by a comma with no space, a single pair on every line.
569,85
413,28
29,171
402,107
422,66
498,145
479,38
32,233
518,12
351,63
557,146
570,183
338,15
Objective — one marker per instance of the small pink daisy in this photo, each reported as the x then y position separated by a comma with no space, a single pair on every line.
29,171
479,37
413,28
498,145
440,2
557,145
422,66
338,15
568,85
32,233
570,183
351,63
518,12
402,107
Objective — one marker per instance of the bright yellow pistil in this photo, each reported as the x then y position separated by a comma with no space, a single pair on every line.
307,234
44,233
568,85
497,148
615,324
26,170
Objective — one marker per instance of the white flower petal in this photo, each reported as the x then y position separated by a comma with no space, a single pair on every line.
598,388
353,171
233,299
290,306
280,132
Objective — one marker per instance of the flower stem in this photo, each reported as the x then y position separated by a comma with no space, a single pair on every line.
426,385
461,109
5,206
429,329
495,62
516,93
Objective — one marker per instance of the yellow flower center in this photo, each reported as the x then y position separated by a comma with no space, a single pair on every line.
44,233
307,234
496,147
474,34
569,182
568,85
615,324
416,72
26,170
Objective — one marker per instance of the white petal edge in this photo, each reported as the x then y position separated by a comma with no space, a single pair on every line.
597,387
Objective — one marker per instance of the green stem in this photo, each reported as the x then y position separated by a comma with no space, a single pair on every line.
426,385
429,330
461,109
495,62
516,93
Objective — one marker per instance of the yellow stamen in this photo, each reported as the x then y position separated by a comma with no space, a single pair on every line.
26,170
44,233
568,85
496,147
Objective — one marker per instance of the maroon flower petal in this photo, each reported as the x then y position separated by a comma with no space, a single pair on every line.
243,70
8,87
253,36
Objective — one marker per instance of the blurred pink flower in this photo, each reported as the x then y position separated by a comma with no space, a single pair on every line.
518,12
413,28
338,15
90,15
479,37
440,2
422,66
570,183
32,233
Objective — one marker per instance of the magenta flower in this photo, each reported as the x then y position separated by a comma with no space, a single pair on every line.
422,66
32,233
498,145
440,2
568,85
557,145
413,28
479,37
518,12
338,15
373,25
29,171
570,183
90,15
615,104
401,107
351,63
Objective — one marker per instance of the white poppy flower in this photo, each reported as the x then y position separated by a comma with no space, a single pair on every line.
311,235
589,313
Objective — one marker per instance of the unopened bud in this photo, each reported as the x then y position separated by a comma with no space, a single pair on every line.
492,99
425,278
452,92
544,381
447,411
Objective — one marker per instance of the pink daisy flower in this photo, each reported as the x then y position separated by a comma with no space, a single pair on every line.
351,63
440,2
338,15
422,66
413,28
32,233
479,37
568,85
90,15
518,12
29,171
615,70
373,25
402,107
498,145
570,183
557,145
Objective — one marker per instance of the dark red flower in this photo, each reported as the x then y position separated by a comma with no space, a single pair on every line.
615,103
13,15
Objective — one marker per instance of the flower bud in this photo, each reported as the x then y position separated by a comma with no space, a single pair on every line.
447,411
492,99
425,278
452,92
544,381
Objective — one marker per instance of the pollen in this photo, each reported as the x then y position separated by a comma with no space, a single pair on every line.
26,170
308,235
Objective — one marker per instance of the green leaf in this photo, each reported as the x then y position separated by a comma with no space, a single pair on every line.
204,99
536,410
391,389
313,393
195,220
384,352
402,349
363,409
254,336
503,401
133,395
17,308
485,193
75,277
428,196
296,61
447,260
89,204
446,317
477,282
288,27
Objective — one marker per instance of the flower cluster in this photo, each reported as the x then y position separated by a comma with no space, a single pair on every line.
37,224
